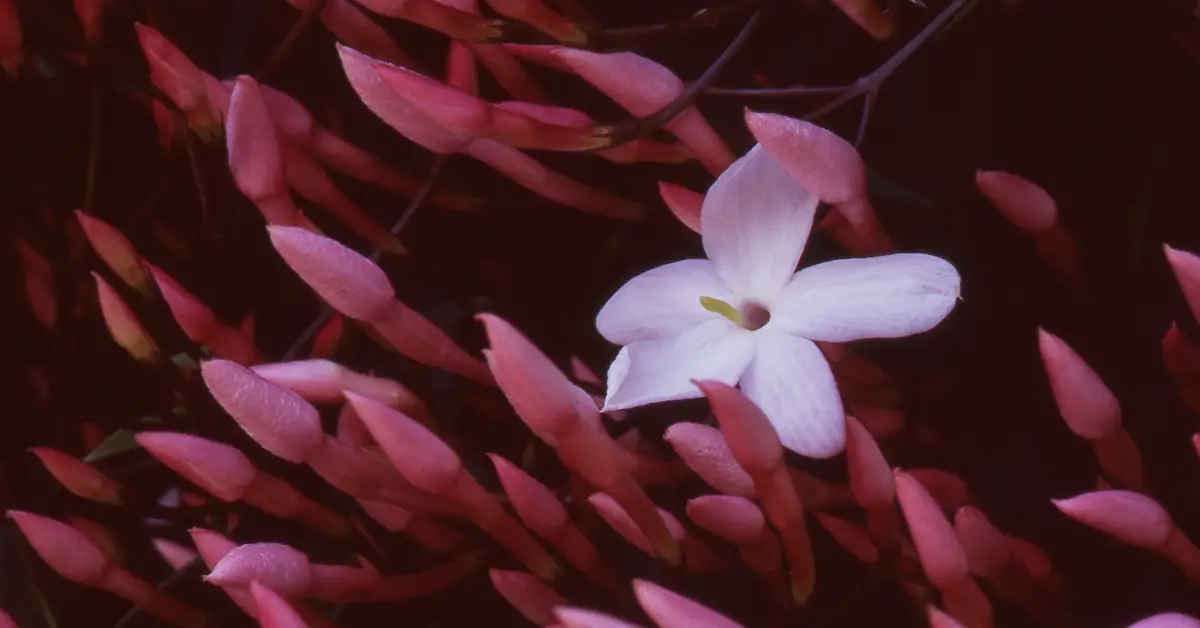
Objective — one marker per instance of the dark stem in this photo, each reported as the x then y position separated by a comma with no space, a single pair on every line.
630,130
310,14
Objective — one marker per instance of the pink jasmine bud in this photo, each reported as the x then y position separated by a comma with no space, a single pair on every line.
852,537
564,416
826,165
322,381
70,553
1186,267
255,157
176,556
986,548
942,556
223,471
39,281
212,548
175,74
698,557
200,324
1088,406
455,109
543,55
636,151
582,618
12,51
534,503
682,202
123,324
738,520
427,462
283,568
538,15
1167,620
642,87
705,451
440,17
533,599
671,610
367,475
869,17
1131,517
273,611
350,24
947,489
79,477
115,250
1022,201
349,282
757,449
275,417
1120,459
350,430
871,483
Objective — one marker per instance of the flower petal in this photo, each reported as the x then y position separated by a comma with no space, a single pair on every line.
661,301
755,221
650,371
791,381
875,297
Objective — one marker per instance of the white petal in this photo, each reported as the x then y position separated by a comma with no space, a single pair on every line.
875,297
754,222
791,381
650,371
661,301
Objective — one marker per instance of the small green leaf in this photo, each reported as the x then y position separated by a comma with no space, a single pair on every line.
117,442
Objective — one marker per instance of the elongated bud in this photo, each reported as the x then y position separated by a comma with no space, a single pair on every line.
115,250
988,552
123,324
682,202
1026,204
853,538
1088,407
538,15
79,477
705,451
671,610
322,381
869,17
349,282
570,617
275,417
278,566
1186,267
200,324
530,596
942,556
534,503
273,611
440,17
175,74
350,24
223,471
255,157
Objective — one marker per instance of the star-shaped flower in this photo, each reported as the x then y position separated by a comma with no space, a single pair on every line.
744,316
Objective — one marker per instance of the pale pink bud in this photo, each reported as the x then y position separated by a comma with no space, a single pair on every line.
65,549
1088,407
283,568
39,278
175,74
734,519
1186,267
273,611
115,251
255,157
942,556
79,477
275,417
1131,517
571,617
322,381
212,548
12,50
671,610
223,471
682,202
642,87
1167,620
176,556
947,489
869,17
349,282
123,324
619,520
532,598
1022,201
987,550
870,475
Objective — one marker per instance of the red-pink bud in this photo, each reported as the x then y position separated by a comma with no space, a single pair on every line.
947,489
322,381
1025,204
65,549
176,556
38,276
1186,267
175,74
734,519
223,471
275,417
1167,620
349,282
987,550
682,202
123,324
1131,517
273,611
255,157
1088,407
534,503
12,50
870,476
115,250
942,556
530,596
571,617
671,610
283,568
853,538
79,477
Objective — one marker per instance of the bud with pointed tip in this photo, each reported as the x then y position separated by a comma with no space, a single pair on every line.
79,477
704,450
682,202
123,324
1167,620
39,283
423,530
871,483
115,250
446,19
1088,407
350,24
255,157
571,617
1032,209
322,381
281,567
671,610
852,537
275,417
176,556
1186,267
697,556
530,596
739,520
175,74
200,324
273,610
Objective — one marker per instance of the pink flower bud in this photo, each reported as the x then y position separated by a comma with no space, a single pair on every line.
283,568
942,556
1022,201
571,617
682,202
66,550
349,282
456,23
223,471
115,251
201,325
734,519
12,51
852,537
175,74
534,503
322,381
255,157
123,324
533,599
987,550
1131,517
870,475
275,417
37,273
79,477
1167,620
671,610
273,611
1088,407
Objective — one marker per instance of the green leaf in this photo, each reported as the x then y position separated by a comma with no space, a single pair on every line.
117,442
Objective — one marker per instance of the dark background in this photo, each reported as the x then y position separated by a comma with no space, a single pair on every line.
1094,100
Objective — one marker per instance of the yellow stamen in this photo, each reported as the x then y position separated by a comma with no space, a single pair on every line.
718,306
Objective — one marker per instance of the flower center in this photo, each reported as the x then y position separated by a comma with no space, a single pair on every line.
750,316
